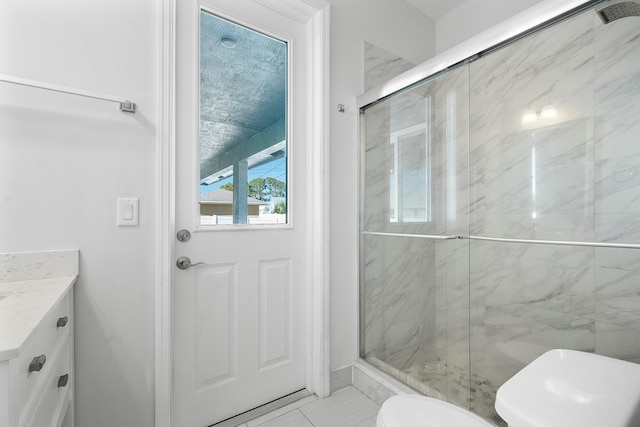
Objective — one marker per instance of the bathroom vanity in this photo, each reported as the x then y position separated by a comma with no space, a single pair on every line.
36,338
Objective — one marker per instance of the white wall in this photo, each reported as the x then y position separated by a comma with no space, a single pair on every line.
473,17
400,29
63,162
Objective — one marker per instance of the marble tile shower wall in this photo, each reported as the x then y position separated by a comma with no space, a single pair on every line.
569,174
538,140
617,188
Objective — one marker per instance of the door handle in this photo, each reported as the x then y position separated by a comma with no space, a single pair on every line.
37,363
62,322
63,380
184,262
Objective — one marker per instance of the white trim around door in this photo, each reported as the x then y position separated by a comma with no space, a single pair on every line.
165,207
318,366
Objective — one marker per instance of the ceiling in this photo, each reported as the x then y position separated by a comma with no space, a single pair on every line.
435,9
243,78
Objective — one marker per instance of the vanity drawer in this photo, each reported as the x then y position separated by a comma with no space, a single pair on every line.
44,340
52,395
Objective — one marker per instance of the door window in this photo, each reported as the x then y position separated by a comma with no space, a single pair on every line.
243,125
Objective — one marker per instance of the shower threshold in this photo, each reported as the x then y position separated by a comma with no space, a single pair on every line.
404,377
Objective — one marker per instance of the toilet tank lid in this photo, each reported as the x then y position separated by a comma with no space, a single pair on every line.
568,387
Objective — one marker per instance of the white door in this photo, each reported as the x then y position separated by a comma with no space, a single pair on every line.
239,321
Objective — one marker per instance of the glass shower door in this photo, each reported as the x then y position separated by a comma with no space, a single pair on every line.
555,126
414,286
530,153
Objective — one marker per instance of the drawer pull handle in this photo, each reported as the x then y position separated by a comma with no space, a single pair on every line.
37,363
62,322
63,380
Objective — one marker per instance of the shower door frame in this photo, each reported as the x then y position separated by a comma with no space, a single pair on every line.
531,20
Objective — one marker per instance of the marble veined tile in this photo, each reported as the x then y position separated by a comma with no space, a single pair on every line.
617,52
547,190
410,109
617,184
550,173
552,67
564,188
619,227
618,341
380,65
617,119
561,144
617,291
617,124
508,192
545,277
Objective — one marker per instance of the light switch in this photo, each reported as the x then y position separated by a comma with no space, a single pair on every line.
127,214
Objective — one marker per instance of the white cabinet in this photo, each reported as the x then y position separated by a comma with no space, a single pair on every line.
36,338
47,394
36,353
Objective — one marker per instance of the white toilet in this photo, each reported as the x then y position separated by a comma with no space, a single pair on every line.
572,388
412,410
561,388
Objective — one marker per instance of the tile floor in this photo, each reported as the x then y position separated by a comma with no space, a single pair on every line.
344,408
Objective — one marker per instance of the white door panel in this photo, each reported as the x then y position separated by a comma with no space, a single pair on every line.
239,318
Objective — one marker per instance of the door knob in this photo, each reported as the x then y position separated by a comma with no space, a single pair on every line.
184,262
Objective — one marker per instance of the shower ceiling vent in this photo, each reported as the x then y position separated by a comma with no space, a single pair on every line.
612,10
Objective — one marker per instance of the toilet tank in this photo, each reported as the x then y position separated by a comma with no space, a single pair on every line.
565,388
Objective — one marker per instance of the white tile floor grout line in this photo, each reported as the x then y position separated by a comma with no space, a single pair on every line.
344,408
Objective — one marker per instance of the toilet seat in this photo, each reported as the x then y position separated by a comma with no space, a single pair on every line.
412,410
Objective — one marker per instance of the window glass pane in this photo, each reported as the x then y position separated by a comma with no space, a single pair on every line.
412,175
243,125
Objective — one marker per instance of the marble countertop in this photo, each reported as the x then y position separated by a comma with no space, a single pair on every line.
31,283
23,304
